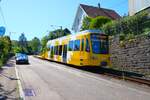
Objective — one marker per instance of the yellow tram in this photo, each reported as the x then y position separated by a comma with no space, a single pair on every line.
86,48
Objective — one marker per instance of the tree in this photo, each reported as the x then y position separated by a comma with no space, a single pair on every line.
5,48
23,44
43,42
86,23
53,35
35,45
98,22
58,33
8,43
23,40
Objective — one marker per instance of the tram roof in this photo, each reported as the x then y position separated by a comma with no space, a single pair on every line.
78,33
90,31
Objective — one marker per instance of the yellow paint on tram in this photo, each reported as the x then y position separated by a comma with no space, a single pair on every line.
87,48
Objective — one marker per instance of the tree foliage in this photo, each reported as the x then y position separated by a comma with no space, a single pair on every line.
23,44
5,48
98,22
44,42
53,35
94,23
131,25
35,45
23,40
86,23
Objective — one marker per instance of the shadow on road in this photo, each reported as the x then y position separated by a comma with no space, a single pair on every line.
4,94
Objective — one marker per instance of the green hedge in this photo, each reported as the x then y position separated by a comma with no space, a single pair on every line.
134,25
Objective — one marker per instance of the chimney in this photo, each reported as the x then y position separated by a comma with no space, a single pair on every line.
99,5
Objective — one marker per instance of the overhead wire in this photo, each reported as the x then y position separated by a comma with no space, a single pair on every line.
3,18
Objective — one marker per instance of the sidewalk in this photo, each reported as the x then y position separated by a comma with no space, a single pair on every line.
8,82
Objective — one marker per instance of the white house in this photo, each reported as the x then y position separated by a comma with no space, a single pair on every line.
91,11
136,6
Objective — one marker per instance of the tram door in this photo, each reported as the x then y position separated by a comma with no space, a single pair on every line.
65,54
82,45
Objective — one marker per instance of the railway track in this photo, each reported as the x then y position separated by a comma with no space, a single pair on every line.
129,76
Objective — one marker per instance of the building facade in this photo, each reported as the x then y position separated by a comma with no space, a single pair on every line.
136,6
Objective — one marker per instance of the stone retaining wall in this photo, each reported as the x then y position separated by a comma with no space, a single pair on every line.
131,55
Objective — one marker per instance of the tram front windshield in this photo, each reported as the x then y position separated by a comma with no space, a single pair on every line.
99,43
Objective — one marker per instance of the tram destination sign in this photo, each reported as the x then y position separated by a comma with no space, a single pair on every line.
98,37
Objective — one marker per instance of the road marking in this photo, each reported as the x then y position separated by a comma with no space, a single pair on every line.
22,97
29,92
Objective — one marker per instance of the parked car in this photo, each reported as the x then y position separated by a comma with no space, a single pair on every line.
21,58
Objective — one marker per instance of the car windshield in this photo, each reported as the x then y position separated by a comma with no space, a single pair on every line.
23,56
99,44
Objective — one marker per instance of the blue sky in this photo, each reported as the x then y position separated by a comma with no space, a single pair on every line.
35,17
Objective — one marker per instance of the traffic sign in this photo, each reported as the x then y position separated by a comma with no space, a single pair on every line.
2,30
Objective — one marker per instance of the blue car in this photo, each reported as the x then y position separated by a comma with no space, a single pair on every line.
21,58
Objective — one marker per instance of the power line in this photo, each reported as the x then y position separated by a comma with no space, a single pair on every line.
3,18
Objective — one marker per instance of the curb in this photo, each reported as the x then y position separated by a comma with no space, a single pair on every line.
22,97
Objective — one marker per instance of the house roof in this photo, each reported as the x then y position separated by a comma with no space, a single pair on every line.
92,11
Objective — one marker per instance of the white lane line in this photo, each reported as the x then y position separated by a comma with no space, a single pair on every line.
22,96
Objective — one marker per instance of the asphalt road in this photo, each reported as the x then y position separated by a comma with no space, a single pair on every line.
45,80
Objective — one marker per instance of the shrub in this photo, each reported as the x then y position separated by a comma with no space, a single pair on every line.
122,37
98,22
129,25
86,23
130,36
5,48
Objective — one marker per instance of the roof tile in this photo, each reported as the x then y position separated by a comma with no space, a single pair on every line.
95,11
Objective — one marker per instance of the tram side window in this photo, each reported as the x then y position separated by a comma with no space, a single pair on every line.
77,45
82,47
56,50
70,45
87,45
52,52
60,49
